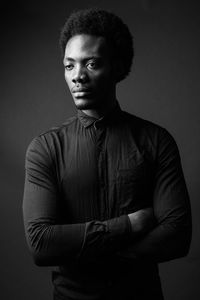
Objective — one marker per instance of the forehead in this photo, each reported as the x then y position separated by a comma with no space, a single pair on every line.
86,45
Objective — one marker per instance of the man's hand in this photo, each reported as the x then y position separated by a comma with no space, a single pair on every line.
142,220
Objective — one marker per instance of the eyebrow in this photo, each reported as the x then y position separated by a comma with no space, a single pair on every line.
84,59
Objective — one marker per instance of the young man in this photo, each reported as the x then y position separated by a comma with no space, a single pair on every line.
105,198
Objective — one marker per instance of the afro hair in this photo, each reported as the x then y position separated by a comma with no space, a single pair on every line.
102,23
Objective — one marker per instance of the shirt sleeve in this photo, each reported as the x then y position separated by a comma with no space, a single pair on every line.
50,241
171,236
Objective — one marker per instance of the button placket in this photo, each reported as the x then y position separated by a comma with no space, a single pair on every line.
102,168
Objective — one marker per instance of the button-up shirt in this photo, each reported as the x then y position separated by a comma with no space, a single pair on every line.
82,180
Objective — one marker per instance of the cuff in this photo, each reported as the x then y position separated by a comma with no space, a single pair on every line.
104,238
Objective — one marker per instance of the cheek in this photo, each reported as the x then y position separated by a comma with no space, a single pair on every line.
104,81
68,81
103,85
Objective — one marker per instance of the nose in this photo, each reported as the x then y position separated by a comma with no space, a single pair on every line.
79,75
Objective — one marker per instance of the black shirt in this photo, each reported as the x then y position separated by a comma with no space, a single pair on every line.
82,180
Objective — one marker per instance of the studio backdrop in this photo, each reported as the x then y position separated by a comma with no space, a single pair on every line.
163,87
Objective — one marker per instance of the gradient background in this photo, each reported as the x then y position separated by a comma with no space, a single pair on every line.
163,87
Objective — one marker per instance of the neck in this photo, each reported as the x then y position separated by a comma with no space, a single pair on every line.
100,112
106,107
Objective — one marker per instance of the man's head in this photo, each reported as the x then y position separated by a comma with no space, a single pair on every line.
97,50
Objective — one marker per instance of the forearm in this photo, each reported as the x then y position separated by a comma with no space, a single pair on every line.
105,238
53,241
53,244
165,242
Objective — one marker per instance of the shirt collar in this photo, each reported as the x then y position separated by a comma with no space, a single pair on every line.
88,121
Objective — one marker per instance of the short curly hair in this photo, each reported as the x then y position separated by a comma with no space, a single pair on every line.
102,23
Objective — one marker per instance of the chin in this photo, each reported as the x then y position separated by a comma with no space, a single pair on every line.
85,104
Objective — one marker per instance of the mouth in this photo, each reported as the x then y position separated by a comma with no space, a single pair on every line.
80,93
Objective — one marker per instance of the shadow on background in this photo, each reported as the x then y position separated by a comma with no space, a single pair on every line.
163,87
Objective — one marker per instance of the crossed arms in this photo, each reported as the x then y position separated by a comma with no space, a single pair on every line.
159,233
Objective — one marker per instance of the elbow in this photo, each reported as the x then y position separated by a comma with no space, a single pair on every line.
38,239
176,244
180,235
182,241
184,252
39,255
39,259
184,237
181,252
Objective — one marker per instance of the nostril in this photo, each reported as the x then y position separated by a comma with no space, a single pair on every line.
79,78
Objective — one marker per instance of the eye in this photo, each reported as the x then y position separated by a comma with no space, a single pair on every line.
92,65
69,67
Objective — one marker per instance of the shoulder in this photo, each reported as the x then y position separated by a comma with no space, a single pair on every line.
150,134
46,140
142,125
60,129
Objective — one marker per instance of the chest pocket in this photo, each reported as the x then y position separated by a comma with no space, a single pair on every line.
132,186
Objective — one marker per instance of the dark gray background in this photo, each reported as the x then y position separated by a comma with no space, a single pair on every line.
163,87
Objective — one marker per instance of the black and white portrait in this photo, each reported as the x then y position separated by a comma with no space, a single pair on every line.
100,150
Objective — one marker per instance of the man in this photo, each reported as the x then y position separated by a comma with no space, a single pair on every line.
105,198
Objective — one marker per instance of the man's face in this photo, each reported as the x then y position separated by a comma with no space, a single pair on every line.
88,72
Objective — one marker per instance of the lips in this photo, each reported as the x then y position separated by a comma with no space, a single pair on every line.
81,90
